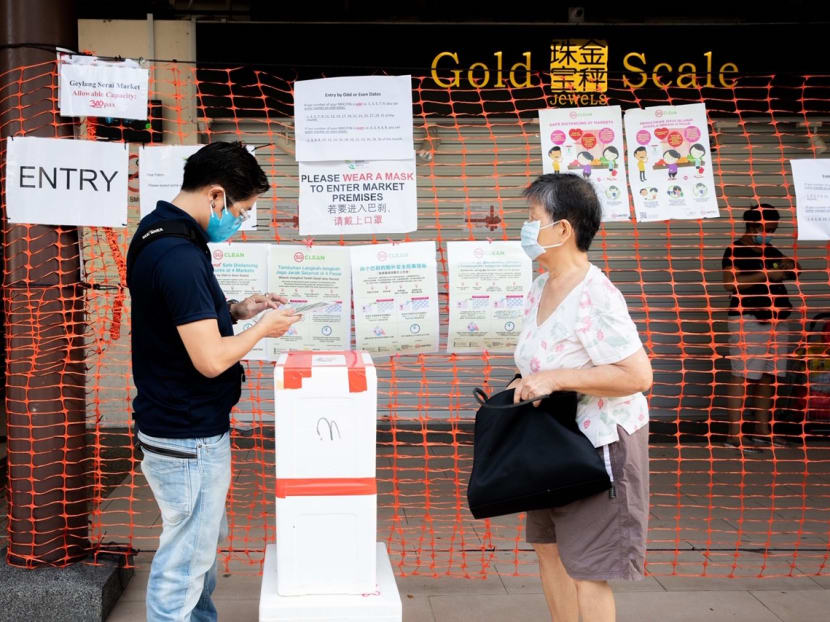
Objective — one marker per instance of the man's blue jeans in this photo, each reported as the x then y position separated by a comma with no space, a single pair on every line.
190,480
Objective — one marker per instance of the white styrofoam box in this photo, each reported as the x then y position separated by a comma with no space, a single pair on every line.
324,429
382,604
326,545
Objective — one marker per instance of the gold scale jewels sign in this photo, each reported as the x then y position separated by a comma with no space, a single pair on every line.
579,72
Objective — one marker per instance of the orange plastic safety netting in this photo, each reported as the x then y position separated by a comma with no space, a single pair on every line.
715,510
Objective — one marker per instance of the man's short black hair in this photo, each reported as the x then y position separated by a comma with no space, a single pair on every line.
554,148
761,213
229,165
568,197
639,149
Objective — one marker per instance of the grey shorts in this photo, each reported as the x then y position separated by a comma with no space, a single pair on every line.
757,348
600,538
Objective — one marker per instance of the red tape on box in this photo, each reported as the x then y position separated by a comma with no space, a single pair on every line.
325,487
298,366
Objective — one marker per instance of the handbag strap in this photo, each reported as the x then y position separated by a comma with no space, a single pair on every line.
482,398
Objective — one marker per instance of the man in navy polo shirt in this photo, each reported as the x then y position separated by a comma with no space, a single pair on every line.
186,369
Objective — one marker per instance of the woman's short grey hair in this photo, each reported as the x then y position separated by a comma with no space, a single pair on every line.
568,197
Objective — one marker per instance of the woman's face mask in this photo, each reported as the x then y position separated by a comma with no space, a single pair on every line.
530,238
220,229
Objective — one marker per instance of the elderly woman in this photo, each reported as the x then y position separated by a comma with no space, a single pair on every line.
578,336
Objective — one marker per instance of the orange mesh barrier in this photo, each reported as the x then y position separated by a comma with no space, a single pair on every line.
715,510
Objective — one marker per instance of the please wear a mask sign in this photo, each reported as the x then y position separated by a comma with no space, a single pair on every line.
53,181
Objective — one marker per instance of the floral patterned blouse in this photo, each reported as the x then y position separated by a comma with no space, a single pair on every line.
590,327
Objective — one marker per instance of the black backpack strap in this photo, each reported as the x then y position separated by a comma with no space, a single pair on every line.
163,229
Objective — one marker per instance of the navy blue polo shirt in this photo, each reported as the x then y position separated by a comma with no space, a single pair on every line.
171,284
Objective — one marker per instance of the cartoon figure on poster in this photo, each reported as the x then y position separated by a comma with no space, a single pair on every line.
609,158
670,158
555,155
680,152
696,153
585,161
641,155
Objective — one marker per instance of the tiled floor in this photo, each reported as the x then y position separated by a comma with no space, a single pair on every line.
507,599
725,531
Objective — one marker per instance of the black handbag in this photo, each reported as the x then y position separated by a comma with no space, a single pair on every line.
529,458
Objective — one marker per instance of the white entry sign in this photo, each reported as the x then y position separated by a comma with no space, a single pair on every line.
242,270
812,198
160,175
90,87
358,197
355,118
395,297
55,181
488,285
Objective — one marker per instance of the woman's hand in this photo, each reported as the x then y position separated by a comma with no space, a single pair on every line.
517,379
538,384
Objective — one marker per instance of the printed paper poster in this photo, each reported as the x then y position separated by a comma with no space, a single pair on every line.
670,164
242,270
307,275
56,181
358,197
395,297
160,173
354,118
588,142
812,198
488,285
91,87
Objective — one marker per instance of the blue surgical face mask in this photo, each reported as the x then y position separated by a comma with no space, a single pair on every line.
530,238
220,229
762,239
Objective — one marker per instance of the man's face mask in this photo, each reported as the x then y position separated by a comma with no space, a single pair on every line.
221,228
